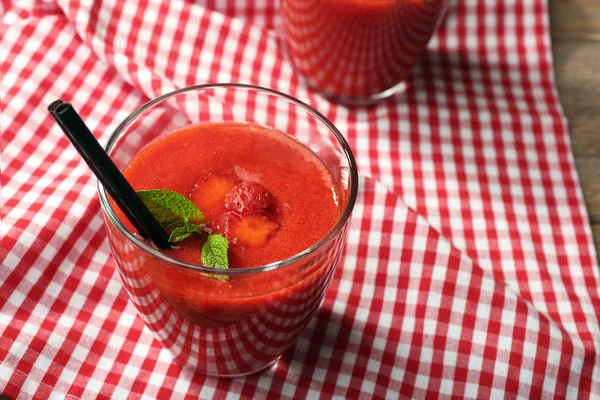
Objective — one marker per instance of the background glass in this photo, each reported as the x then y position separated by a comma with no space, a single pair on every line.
358,51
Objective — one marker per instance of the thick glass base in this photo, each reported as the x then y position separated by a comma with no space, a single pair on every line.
256,371
369,100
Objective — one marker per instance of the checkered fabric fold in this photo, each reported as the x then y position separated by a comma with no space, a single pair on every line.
469,268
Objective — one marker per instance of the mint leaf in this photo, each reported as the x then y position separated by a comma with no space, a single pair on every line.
214,254
183,232
179,234
171,209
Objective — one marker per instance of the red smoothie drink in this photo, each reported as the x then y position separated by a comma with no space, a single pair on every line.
205,162
358,50
276,208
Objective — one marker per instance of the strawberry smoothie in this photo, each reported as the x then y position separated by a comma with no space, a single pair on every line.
214,159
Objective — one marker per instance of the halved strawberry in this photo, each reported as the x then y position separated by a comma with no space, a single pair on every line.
210,191
248,197
253,230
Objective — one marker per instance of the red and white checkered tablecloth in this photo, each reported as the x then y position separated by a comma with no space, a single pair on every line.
469,269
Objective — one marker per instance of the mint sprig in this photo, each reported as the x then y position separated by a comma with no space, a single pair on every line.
173,210
214,254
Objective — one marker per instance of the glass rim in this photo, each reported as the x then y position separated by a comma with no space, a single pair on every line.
147,248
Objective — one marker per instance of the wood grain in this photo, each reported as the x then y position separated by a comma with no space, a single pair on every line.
596,233
589,171
577,71
575,19
575,30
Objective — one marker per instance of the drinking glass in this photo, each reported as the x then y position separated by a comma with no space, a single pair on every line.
245,324
358,51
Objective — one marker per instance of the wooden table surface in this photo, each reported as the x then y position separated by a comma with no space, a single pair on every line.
575,30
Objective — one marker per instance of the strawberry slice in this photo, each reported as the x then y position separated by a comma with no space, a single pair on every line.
253,230
210,191
248,197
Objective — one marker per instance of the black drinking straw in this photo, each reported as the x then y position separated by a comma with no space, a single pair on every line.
107,172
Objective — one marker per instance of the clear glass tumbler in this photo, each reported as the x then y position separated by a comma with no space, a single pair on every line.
358,51
242,327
